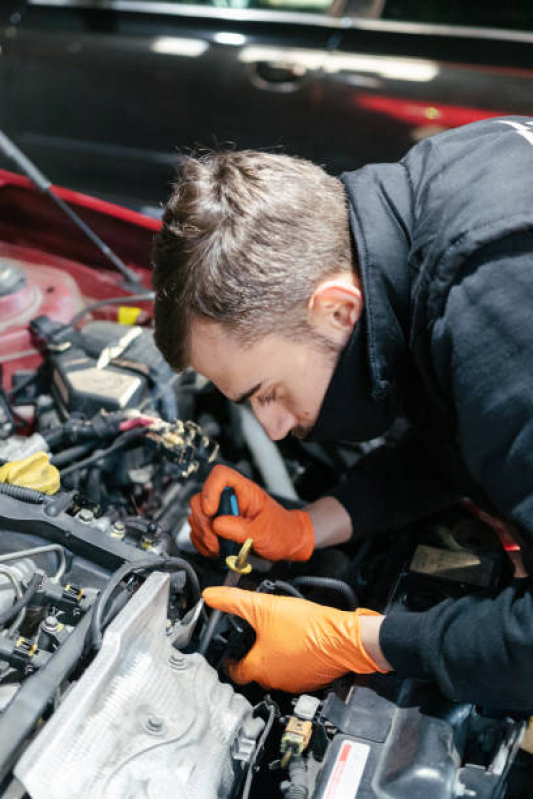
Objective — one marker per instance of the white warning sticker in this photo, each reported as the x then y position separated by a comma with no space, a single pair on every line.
347,772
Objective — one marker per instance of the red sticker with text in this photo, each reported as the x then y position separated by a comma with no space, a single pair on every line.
347,772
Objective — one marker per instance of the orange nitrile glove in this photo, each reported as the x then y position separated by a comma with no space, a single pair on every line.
277,533
300,646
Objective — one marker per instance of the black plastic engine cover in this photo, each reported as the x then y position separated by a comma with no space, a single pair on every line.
399,738
80,385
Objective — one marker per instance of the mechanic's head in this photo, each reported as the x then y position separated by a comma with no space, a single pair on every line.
255,280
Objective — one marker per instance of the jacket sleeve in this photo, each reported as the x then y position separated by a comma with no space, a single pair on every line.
394,485
482,348
480,648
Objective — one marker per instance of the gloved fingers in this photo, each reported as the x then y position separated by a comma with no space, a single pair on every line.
271,544
201,529
234,528
245,670
220,478
274,674
195,504
198,542
234,670
246,604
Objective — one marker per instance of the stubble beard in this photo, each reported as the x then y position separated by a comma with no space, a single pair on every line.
301,432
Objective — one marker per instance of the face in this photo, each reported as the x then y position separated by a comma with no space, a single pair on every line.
284,380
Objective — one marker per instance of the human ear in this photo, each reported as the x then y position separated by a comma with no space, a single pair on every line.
335,307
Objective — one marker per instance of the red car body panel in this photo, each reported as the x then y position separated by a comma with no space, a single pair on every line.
64,270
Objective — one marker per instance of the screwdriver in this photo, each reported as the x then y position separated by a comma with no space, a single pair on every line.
237,564
228,506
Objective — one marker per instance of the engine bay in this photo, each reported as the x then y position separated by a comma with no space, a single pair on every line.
107,688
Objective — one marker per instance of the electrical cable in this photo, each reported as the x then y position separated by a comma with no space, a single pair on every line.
330,584
19,719
126,569
23,493
126,300
24,600
60,459
287,588
259,748
123,441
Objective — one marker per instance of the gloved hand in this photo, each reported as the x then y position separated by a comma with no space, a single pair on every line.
299,645
277,533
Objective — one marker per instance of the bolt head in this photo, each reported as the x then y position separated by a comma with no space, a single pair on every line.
155,725
50,624
177,661
118,530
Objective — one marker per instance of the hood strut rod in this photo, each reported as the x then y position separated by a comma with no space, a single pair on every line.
44,185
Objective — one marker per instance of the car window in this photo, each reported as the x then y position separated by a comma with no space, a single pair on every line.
513,14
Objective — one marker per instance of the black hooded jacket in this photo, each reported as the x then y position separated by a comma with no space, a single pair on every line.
444,241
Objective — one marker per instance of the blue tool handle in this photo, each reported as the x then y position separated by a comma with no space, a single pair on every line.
228,506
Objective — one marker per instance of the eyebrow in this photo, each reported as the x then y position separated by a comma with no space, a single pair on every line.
247,394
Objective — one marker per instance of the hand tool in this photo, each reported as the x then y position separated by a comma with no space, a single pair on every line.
237,564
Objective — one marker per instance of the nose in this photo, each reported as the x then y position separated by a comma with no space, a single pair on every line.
275,419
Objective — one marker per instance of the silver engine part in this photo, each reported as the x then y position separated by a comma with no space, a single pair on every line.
12,576
16,448
143,721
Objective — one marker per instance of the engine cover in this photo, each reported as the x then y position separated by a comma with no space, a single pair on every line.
144,720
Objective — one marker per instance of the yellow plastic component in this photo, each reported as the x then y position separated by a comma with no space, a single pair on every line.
239,563
35,472
25,643
128,314
527,740
295,739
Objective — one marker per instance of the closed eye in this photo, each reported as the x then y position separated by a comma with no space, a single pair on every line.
265,400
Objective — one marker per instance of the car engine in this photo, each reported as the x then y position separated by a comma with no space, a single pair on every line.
103,690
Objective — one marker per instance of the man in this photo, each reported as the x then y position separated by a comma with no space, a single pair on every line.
333,306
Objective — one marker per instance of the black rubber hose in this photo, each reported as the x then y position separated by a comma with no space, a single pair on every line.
330,584
24,494
54,436
24,600
60,459
94,485
67,434
287,588
123,441
143,564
